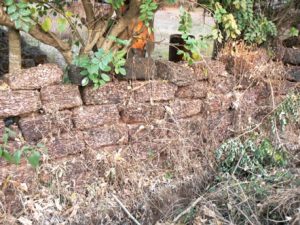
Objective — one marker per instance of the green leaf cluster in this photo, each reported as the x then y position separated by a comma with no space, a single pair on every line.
97,66
20,13
147,10
237,19
31,153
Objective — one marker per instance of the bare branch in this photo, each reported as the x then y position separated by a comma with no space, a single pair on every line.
89,12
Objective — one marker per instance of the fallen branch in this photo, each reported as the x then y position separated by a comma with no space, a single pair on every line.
187,210
125,210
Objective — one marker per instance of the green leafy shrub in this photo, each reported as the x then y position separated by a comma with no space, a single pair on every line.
31,153
237,19
98,65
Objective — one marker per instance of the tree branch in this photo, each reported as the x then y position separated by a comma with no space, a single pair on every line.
89,12
38,33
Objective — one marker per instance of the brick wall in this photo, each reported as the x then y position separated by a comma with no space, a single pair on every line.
178,101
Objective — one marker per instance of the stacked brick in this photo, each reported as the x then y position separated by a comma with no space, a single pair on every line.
172,110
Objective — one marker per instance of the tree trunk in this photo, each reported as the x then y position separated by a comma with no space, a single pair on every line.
15,59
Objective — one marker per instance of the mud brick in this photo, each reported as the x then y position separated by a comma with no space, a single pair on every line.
178,74
107,135
66,144
94,116
197,90
36,77
14,103
154,91
185,108
111,93
58,97
37,126
142,112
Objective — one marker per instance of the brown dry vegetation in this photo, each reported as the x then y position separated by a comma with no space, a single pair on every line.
156,186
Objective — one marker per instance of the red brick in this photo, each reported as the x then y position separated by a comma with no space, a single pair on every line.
142,112
185,108
178,74
154,91
22,174
196,90
94,116
65,144
37,126
111,93
58,97
14,103
36,77
2,128
107,135
156,132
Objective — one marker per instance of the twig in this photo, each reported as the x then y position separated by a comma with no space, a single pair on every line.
187,210
125,210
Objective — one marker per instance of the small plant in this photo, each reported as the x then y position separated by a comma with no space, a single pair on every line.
98,65
192,45
31,153
294,32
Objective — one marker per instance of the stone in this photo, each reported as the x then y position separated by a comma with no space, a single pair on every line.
107,135
154,91
2,128
138,68
214,102
14,103
185,108
21,174
94,116
35,77
142,112
58,97
111,93
209,68
66,144
292,56
155,132
178,74
293,73
37,126
196,90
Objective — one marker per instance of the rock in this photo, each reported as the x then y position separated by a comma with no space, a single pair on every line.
154,91
74,75
138,68
152,133
185,108
291,56
293,73
94,116
36,77
2,128
175,73
15,103
111,93
209,68
107,135
58,97
36,126
196,90
66,144
142,112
